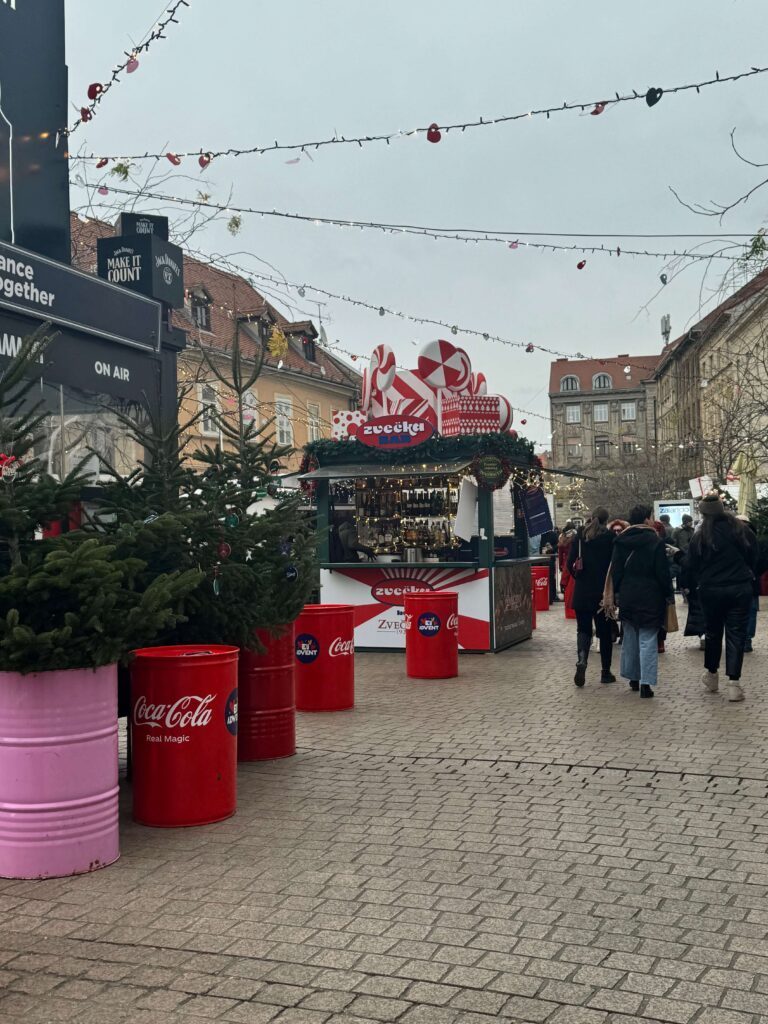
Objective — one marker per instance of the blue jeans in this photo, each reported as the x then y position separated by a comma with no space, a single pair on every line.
640,653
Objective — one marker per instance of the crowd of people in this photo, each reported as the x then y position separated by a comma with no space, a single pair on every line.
619,577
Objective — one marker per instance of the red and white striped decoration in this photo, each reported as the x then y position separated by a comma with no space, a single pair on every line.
410,394
479,384
383,368
442,365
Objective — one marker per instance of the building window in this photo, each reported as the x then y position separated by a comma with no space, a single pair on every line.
569,384
628,447
284,417
209,404
573,450
629,410
251,407
309,349
600,412
602,382
602,447
200,307
573,414
314,427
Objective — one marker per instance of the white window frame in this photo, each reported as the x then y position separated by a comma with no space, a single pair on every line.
595,417
624,407
566,381
208,426
284,419
573,414
314,422
602,387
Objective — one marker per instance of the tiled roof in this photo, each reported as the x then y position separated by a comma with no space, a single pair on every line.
714,318
586,369
228,292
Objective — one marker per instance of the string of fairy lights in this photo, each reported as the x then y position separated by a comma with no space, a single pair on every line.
435,131
98,90
466,235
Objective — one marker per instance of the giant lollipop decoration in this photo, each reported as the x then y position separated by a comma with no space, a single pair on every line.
383,368
442,365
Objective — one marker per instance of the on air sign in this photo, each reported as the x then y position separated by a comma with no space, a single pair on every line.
395,432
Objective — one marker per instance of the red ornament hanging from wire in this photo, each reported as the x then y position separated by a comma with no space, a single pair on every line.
433,133
581,264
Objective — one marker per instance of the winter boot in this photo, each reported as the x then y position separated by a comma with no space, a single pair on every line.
606,676
646,691
711,681
583,643
735,692
634,684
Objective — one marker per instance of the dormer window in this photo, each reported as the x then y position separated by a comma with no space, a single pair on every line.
308,345
602,382
569,383
200,308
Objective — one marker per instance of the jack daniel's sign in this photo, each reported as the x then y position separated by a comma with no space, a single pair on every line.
142,259
34,187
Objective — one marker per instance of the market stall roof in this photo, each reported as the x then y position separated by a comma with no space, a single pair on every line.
361,469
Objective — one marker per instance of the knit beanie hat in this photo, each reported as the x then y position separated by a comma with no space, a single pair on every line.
711,505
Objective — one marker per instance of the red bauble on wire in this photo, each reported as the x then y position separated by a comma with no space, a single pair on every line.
173,158
95,89
433,133
581,264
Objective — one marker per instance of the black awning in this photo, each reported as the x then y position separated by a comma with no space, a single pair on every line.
354,470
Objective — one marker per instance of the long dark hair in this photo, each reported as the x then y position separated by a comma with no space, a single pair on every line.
705,537
596,524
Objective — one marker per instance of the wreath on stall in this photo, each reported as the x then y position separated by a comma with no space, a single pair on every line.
308,465
491,471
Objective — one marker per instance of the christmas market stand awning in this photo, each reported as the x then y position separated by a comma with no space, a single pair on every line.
363,469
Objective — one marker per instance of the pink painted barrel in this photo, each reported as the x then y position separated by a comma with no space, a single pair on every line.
58,772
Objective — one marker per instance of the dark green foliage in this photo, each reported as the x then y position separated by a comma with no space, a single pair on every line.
74,601
517,450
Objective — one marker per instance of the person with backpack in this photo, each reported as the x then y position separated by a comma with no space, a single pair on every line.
641,584
588,562
720,564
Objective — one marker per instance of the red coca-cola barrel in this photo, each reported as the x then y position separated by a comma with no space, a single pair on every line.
184,734
324,649
540,577
266,727
533,603
432,635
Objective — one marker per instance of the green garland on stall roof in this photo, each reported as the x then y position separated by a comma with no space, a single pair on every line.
517,450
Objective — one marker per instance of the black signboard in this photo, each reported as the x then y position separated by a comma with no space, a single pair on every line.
512,613
142,224
34,185
84,362
32,285
145,264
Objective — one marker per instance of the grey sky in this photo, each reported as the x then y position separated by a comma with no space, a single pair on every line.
241,72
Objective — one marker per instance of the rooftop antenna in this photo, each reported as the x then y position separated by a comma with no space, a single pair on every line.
666,328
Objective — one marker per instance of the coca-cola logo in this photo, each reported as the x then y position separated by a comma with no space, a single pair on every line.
185,713
395,591
541,582
428,624
453,622
307,648
230,713
341,648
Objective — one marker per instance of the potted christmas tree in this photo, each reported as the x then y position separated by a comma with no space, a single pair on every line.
70,608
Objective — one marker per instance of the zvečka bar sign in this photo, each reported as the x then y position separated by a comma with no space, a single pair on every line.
395,432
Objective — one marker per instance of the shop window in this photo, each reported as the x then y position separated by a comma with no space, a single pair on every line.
602,448
600,412
602,382
314,425
209,404
573,414
284,419
569,383
628,411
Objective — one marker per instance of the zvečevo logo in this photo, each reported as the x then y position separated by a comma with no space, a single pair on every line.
230,713
307,648
428,624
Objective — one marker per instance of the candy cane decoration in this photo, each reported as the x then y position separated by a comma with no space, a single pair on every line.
479,384
383,368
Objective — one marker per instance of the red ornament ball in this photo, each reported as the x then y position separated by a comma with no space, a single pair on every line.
95,89
173,158
132,65
433,133
581,264
102,163
86,114
204,159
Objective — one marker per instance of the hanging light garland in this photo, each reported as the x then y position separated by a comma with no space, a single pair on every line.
435,131
97,91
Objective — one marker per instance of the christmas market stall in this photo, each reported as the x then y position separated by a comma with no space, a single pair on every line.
425,488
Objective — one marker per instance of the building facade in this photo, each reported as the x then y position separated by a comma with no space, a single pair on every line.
603,411
300,383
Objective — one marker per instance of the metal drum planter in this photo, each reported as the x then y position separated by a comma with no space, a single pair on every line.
432,635
325,657
58,772
267,699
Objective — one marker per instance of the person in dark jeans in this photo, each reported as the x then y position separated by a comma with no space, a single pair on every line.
721,563
588,562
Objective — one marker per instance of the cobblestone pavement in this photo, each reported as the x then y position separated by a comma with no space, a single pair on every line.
501,846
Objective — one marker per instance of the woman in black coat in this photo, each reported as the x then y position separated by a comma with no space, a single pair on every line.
588,562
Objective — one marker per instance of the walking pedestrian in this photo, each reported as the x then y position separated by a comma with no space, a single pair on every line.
641,584
721,563
588,564
683,535
664,530
567,534
666,524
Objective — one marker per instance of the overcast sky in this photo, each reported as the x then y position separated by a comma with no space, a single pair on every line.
245,72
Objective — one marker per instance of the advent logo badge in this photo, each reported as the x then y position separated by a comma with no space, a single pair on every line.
230,713
307,648
428,624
